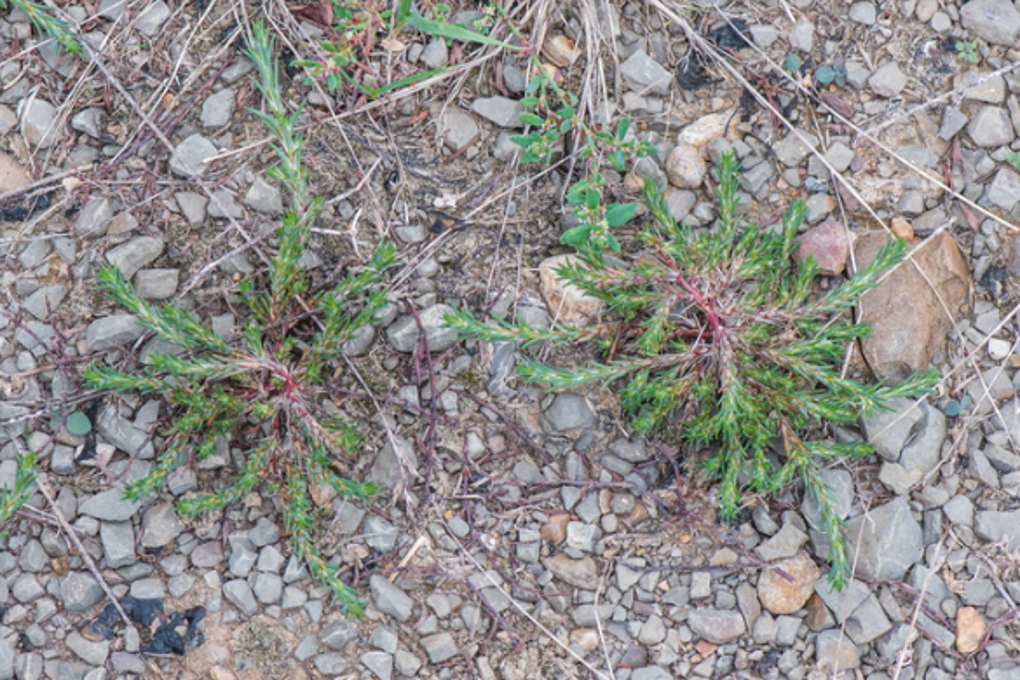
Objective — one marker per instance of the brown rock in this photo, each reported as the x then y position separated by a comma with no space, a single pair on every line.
702,131
829,245
907,319
561,50
555,530
970,630
582,573
782,596
685,168
567,303
901,228
12,174
817,614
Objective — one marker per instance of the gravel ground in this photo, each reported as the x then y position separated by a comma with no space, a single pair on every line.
523,534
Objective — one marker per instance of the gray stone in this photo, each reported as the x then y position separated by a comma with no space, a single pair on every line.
791,151
440,648
380,534
991,127
716,625
26,588
160,526
784,544
193,206
994,525
93,653
835,652
652,632
44,301
867,622
263,197
763,35
953,120
217,109
514,79
152,18
112,331
109,506
238,593
268,588
307,648
379,663
94,218
148,588
887,80
389,599
223,205
270,559
132,255
996,21
568,412
504,112
392,466
406,663
650,673
863,13
802,36
581,536
331,663
981,86
190,157
403,333
79,591
923,450
436,54
458,129
87,121
886,541
889,430
265,532
338,634
1004,189
757,178
157,284
643,74
124,435
118,539
383,638
39,122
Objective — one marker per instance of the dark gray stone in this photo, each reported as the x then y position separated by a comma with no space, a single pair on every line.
338,634
390,599
132,255
886,541
217,109
263,197
403,333
996,21
715,625
190,157
238,593
160,526
118,539
109,506
440,648
504,112
993,525
568,412
79,591
112,331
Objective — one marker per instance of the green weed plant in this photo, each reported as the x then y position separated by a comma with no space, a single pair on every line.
263,393
719,335
45,21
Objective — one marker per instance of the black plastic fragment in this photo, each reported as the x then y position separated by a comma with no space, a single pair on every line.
731,35
691,73
27,208
167,638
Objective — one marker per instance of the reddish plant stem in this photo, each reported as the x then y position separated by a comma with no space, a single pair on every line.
698,298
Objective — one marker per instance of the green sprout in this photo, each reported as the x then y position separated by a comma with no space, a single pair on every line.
264,394
722,340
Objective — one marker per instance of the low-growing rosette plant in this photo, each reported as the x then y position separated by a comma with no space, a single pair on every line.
264,393
719,335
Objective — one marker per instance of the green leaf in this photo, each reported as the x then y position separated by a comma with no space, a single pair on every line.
78,424
445,30
566,112
576,236
953,408
529,118
825,74
792,63
620,213
592,198
566,126
614,244
618,160
621,128
529,101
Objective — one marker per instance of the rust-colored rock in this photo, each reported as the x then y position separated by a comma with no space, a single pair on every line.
567,303
829,245
906,314
901,228
561,50
555,530
970,630
782,596
12,175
